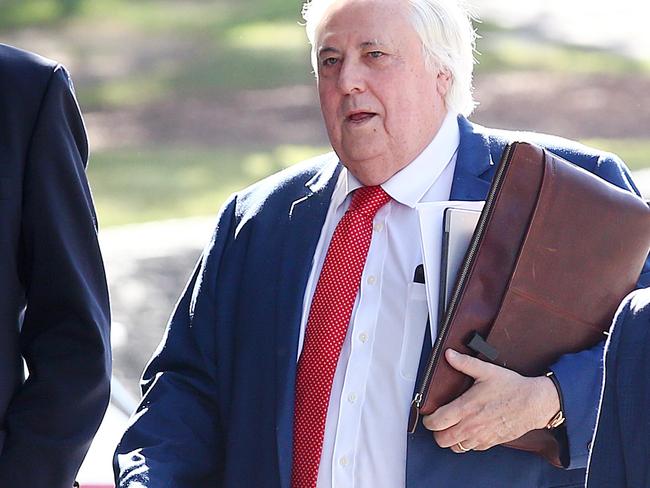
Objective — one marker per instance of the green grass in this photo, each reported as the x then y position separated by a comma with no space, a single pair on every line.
232,69
189,17
131,186
249,55
15,14
635,152
503,51
252,55
132,91
150,15
281,36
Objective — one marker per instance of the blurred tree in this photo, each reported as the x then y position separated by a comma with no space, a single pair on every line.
21,13
69,7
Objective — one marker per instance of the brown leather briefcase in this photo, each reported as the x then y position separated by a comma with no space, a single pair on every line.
555,251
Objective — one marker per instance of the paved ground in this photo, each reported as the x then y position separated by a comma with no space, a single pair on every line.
147,267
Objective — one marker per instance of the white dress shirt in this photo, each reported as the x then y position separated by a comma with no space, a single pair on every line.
365,430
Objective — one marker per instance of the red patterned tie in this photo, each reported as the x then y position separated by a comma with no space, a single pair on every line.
330,312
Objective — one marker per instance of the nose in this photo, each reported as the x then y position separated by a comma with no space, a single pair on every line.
351,78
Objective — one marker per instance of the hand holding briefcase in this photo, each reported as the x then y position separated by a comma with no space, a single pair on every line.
529,289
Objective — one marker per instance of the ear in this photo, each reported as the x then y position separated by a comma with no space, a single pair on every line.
443,81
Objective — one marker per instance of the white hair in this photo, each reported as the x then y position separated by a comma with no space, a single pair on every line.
448,42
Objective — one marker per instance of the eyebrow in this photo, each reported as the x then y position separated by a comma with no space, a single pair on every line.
328,50
374,43
364,45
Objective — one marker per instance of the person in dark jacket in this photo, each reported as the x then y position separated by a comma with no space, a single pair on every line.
54,309
292,356
621,446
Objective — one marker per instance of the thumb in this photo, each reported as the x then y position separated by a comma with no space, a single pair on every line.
468,365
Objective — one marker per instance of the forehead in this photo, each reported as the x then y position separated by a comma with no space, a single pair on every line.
380,21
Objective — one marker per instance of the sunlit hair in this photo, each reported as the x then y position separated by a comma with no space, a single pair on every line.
448,42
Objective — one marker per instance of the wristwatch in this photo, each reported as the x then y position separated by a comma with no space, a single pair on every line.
557,419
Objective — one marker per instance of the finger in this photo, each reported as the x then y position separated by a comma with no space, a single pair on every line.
483,446
445,417
468,365
461,447
449,438
457,449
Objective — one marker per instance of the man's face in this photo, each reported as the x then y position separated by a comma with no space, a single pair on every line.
381,104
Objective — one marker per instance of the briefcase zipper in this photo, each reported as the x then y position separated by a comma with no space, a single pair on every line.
423,390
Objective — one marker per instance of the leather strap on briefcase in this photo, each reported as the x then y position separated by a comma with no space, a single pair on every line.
555,251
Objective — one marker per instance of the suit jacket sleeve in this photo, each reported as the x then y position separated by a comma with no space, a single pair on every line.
580,374
64,337
179,412
621,446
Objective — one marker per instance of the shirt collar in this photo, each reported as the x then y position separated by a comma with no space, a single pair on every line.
411,183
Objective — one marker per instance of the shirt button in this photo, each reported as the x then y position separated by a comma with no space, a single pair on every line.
352,397
379,227
372,280
363,337
343,461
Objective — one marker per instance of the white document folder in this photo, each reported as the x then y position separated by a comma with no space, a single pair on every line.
457,232
432,218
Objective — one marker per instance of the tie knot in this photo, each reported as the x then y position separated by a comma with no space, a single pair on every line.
368,200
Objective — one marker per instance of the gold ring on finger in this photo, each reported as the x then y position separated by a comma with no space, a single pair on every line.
462,448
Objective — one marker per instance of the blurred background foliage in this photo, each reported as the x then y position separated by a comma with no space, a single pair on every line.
187,101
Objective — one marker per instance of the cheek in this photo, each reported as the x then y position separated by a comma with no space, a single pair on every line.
328,103
400,108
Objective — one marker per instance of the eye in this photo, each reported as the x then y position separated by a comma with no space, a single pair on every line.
376,54
329,61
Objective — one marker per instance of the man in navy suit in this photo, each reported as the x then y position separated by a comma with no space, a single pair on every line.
54,311
621,447
223,390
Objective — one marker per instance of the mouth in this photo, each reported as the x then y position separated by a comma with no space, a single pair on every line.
360,117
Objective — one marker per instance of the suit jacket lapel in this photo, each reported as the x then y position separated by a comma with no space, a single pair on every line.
474,164
306,216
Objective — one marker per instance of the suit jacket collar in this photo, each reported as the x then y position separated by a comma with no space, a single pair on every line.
474,164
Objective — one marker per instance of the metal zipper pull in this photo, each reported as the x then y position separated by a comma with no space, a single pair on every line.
414,414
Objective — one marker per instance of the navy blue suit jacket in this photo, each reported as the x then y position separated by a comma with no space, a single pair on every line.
54,309
621,451
218,395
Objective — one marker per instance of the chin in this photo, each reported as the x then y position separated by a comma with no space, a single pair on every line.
369,176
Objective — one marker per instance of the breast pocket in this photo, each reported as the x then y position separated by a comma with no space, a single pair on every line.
414,329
